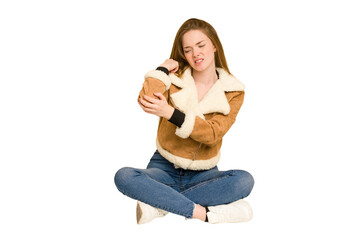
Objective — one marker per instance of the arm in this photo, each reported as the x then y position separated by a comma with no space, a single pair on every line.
156,84
212,130
153,85
158,81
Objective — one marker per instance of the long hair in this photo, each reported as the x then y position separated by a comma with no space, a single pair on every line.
177,52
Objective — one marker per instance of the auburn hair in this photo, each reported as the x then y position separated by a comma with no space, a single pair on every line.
177,52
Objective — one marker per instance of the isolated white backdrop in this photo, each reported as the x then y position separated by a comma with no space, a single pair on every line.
70,73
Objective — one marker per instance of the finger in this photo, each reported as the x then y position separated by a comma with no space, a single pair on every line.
150,99
141,102
174,70
142,106
146,103
159,95
147,110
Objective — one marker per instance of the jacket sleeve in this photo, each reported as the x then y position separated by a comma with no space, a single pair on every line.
211,131
155,81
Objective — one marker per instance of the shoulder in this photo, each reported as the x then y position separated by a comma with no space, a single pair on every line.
229,82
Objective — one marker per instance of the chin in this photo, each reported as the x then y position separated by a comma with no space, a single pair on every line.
199,69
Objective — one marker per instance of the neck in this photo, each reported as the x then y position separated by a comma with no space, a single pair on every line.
208,76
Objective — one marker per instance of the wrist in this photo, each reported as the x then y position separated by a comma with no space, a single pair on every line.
177,118
169,112
163,69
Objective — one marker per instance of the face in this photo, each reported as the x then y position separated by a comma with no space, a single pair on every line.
198,50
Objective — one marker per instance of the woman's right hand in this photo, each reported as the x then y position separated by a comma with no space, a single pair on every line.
171,65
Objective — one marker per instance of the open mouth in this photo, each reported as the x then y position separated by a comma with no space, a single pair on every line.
199,60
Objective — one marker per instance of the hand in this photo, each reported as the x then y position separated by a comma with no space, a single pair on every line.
171,65
158,107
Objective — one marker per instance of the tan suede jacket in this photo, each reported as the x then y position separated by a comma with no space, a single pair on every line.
196,144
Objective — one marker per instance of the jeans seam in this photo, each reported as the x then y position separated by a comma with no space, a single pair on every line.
204,183
169,185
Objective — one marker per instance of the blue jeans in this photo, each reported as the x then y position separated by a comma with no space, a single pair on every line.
176,190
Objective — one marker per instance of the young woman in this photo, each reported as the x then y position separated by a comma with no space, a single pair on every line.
197,100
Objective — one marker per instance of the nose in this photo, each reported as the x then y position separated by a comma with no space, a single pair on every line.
195,53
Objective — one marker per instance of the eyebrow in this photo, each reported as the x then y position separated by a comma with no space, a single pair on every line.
195,44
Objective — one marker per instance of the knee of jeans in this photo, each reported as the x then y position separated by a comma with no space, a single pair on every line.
244,183
123,177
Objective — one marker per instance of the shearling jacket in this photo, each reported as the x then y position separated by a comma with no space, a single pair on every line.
195,145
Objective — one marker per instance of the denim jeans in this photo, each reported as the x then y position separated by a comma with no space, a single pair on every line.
176,190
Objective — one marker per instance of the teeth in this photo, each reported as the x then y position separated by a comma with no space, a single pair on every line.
198,61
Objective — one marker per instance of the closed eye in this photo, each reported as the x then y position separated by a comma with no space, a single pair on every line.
198,44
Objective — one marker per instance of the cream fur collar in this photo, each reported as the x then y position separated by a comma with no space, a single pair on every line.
214,101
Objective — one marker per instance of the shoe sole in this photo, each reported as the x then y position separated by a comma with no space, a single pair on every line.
250,210
138,213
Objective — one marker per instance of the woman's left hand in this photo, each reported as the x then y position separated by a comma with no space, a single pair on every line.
158,107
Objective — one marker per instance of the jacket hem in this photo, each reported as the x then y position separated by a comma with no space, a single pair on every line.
188,164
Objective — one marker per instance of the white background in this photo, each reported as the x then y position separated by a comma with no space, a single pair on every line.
70,73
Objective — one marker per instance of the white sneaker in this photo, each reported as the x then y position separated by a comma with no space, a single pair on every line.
238,211
145,213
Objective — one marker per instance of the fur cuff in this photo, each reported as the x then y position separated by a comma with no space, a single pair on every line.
161,76
187,127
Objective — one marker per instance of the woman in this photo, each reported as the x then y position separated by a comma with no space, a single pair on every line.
197,100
